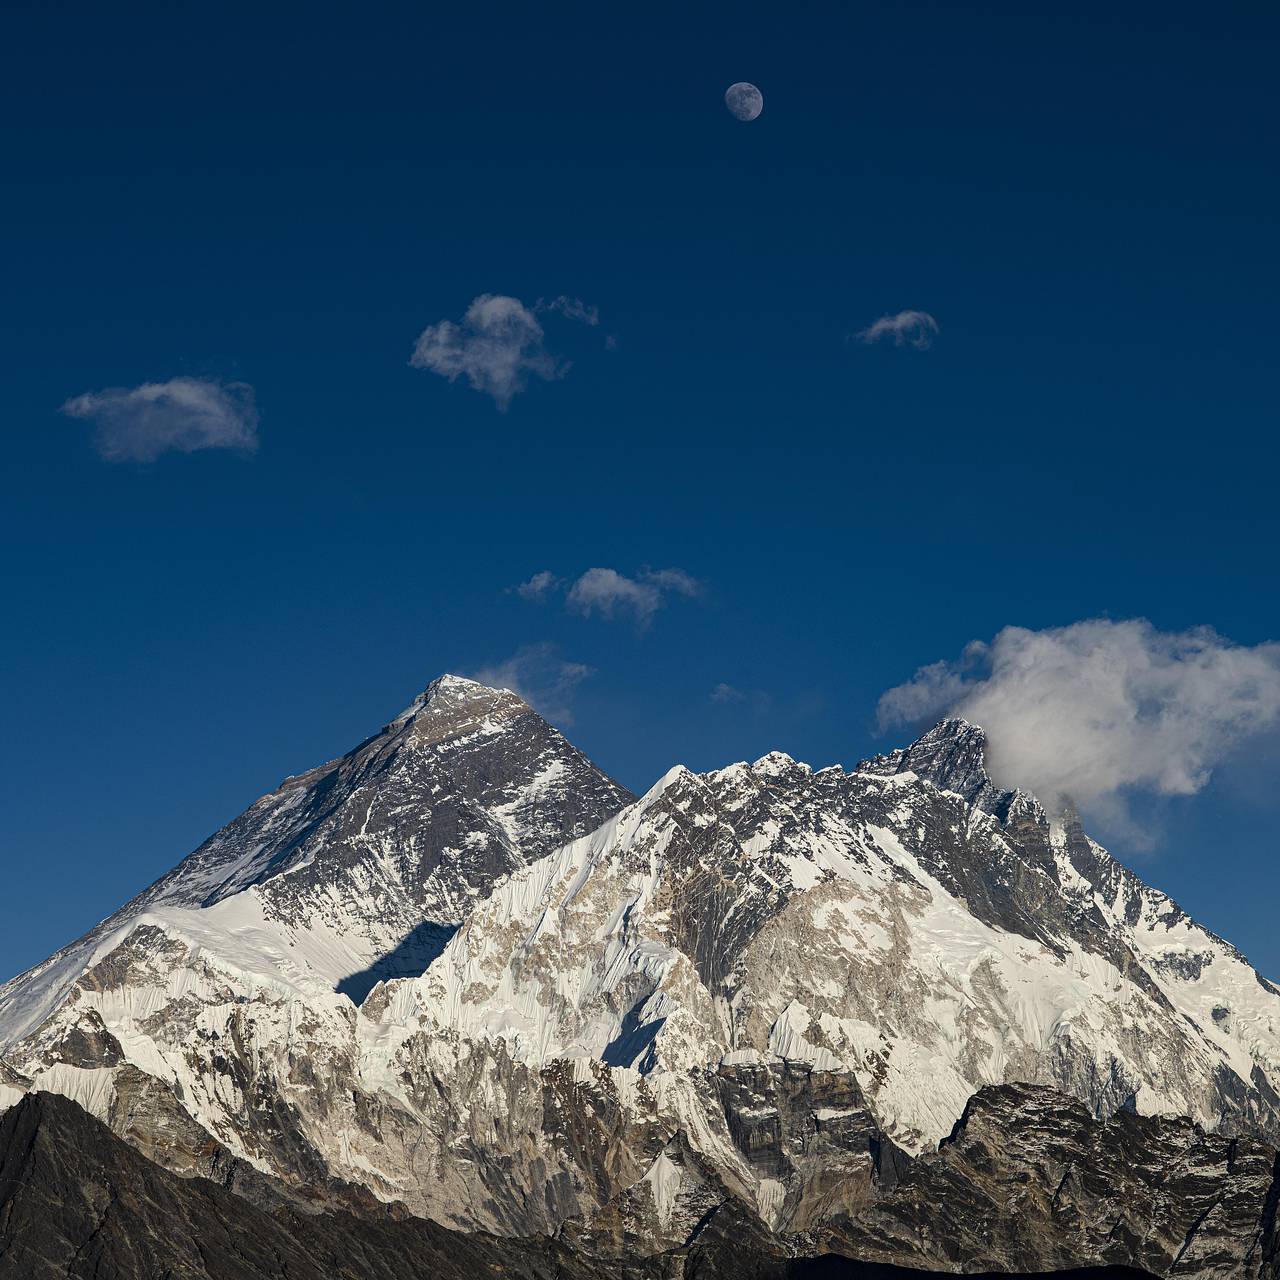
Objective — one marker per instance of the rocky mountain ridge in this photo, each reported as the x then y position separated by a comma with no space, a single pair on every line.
767,990
77,1203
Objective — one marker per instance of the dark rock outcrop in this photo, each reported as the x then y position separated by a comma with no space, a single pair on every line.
77,1203
1029,1179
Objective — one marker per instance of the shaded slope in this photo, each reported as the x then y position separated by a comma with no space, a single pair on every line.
76,1203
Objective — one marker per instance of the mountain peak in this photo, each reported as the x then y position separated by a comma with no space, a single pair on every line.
951,755
459,694
361,863
450,685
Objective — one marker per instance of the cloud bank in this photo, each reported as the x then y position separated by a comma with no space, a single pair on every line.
1100,710
908,328
138,424
541,677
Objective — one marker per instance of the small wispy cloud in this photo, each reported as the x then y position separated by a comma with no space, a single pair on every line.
756,701
610,594
571,309
908,328
541,586
606,593
1099,710
138,424
541,677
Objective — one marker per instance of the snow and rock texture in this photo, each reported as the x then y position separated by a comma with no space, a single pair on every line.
906,923
361,868
77,1203
1029,1180
764,987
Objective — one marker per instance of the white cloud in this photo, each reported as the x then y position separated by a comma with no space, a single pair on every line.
610,594
908,328
182,415
541,677
725,693
1099,710
539,587
497,348
607,592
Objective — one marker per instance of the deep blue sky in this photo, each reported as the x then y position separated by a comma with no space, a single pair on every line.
287,195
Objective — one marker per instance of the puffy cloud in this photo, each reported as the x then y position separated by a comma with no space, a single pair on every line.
541,677
908,328
1099,710
497,348
138,424
539,587
499,345
610,594
606,591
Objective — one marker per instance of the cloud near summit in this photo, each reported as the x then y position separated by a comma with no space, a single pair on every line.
1099,710
545,680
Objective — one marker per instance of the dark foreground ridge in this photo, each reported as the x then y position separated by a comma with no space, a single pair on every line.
77,1202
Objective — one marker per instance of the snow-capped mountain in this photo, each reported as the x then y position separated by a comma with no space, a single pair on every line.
906,922
764,985
362,867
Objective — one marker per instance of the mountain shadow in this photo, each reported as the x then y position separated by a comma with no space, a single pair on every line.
410,958
634,1041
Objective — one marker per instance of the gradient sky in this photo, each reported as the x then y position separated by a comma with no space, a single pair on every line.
287,196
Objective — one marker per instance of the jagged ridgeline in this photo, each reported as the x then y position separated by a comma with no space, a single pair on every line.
892,1013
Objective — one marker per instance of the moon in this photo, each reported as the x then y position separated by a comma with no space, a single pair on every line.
745,101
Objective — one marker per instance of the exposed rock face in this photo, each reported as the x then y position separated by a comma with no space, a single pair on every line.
763,993
1030,1180
873,922
77,1203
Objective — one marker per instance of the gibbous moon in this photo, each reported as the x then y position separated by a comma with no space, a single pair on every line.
744,101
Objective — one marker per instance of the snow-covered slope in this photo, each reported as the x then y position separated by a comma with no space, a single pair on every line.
757,983
361,868
876,922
